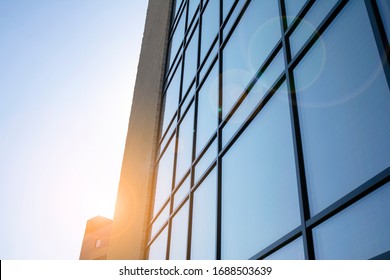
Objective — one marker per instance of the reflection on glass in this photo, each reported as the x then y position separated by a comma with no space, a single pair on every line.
233,17
227,5
158,249
179,234
206,160
190,61
208,61
252,41
161,219
259,194
171,99
343,110
177,38
359,232
182,192
292,9
210,26
309,24
164,177
384,9
207,109
262,86
292,251
204,220
184,150
193,5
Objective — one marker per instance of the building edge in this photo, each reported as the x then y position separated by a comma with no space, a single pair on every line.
129,228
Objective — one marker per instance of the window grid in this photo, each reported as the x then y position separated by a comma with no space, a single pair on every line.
307,222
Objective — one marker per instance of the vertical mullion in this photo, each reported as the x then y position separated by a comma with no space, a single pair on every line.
380,35
219,138
297,141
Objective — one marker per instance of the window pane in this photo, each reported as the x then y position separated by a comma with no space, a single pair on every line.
263,85
177,38
188,99
227,5
204,220
171,99
193,5
248,47
164,177
206,160
158,249
233,17
384,9
182,192
190,61
207,109
184,150
359,232
292,251
343,108
179,234
292,9
162,218
259,191
309,24
210,26
209,60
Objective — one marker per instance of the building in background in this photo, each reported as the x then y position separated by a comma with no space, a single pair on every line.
96,239
258,130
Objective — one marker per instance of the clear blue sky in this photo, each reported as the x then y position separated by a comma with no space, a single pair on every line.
67,73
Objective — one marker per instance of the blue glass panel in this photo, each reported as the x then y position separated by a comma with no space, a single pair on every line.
233,17
259,191
206,160
187,99
344,101
177,38
384,9
292,251
248,47
164,177
193,5
182,192
158,249
171,99
309,24
209,60
207,109
204,220
190,61
210,26
359,232
292,9
262,86
227,5
184,150
179,234
161,219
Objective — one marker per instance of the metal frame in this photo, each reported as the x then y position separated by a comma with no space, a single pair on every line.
308,222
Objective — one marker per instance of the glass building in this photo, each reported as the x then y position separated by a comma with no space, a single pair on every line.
274,139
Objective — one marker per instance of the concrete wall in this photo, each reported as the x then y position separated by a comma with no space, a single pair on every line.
129,236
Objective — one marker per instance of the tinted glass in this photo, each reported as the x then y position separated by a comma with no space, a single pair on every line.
309,24
207,109
210,26
171,99
158,249
257,93
182,192
204,219
384,9
193,5
259,194
177,38
184,149
359,232
161,219
292,251
227,5
164,177
344,101
190,61
206,160
233,17
252,41
179,234
292,9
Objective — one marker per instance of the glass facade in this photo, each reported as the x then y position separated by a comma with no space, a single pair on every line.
274,132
